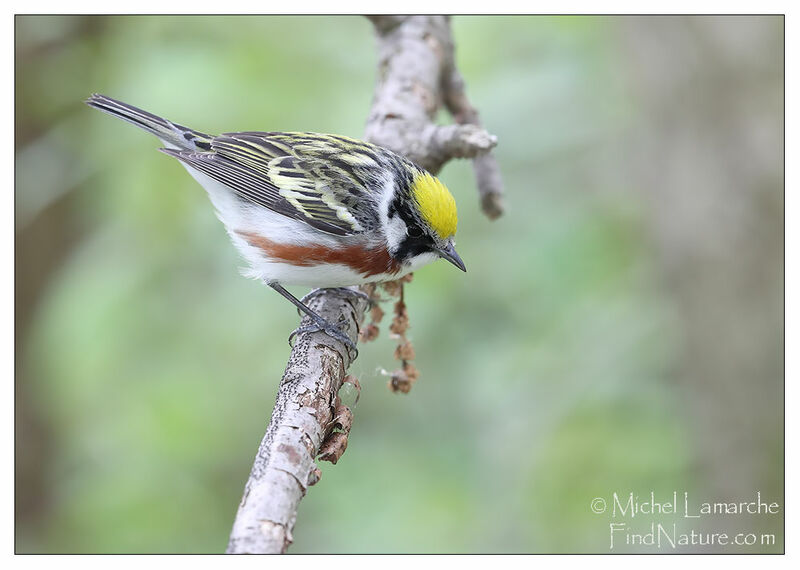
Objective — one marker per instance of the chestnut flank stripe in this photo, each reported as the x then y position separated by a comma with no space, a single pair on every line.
365,261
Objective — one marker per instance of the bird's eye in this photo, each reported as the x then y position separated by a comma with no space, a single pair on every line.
415,232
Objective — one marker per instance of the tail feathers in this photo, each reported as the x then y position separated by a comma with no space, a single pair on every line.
170,133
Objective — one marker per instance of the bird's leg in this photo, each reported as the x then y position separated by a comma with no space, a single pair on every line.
320,324
343,291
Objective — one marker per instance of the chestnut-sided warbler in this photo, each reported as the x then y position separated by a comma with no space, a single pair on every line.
312,209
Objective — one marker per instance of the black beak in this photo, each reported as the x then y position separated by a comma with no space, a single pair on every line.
449,253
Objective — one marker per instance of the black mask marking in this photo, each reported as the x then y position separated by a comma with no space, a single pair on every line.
412,246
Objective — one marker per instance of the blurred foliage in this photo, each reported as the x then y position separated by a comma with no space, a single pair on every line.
148,367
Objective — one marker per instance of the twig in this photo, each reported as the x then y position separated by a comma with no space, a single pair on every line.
487,171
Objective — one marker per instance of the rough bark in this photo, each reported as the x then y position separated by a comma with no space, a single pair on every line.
306,413
416,75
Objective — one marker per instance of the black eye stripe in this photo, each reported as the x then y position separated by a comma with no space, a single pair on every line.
412,246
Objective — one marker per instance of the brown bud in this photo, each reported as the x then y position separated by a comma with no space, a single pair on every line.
393,288
376,314
399,382
411,372
404,351
400,322
369,333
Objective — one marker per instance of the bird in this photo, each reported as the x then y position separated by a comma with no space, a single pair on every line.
311,209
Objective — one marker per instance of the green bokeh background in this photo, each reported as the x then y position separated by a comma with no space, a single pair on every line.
147,368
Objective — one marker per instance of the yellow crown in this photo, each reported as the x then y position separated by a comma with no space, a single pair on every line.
436,204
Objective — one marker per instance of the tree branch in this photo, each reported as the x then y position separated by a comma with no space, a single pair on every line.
416,75
307,411
487,171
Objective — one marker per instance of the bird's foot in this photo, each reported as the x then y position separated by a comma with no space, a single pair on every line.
321,325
